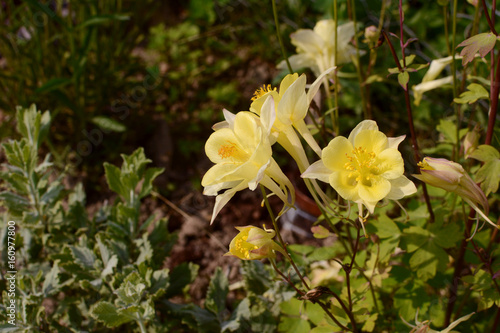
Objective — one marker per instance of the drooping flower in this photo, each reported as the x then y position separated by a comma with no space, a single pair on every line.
291,107
254,243
364,168
430,81
316,48
242,154
452,177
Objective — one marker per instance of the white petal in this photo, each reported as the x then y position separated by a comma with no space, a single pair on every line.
394,142
401,187
268,114
313,89
319,171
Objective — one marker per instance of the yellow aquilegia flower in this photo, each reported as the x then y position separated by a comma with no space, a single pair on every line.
254,243
291,103
316,48
243,159
365,168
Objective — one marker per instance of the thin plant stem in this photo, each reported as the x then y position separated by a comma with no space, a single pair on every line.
491,23
496,322
456,151
416,150
335,113
323,306
283,51
359,71
282,243
349,268
457,273
446,33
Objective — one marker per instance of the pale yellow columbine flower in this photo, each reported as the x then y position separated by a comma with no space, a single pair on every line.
254,243
316,48
243,159
430,81
424,327
291,107
364,168
451,177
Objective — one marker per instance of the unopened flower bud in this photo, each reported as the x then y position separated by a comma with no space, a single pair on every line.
451,176
371,34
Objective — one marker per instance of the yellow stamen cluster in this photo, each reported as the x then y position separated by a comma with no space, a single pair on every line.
361,164
262,91
243,247
227,151
424,165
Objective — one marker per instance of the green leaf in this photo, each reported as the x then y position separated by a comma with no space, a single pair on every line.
149,177
489,176
113,177
415,237
16,203
51,282
446,237
485,153
475,91
216,294
53,84
482,43
449,130
83,256
110,265
102,19
108,124
255,276
159,282
294,325
181,276
384,227
403,79
108,314
427,259
320,232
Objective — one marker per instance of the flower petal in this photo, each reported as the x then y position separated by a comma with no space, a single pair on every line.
222,199
364,125
293,104
378,189
401,187
319,171
394,142
335,154
346,186
308,41
390,163
371,140
224,146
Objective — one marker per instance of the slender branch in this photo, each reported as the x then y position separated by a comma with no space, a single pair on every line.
487,15
280,239
283,51
416,150
497,321
495,86
349,268
459,265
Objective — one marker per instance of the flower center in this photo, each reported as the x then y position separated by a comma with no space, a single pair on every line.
243,247
424,165
361,165
228,150
262,91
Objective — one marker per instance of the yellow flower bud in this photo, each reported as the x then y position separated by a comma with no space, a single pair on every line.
254,243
